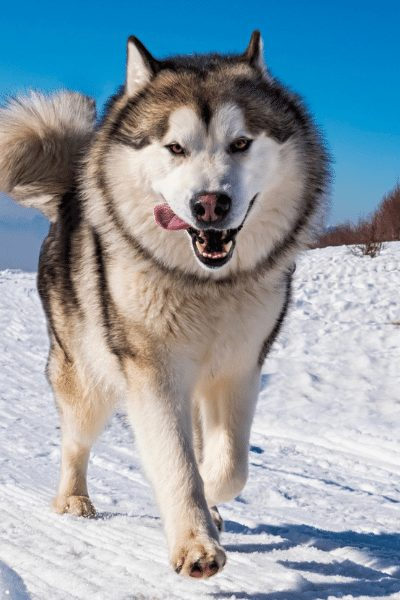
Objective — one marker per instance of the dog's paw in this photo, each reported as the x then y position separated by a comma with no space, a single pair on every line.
216,517
79,506
199,557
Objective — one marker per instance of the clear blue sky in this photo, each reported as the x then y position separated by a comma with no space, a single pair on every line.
344,57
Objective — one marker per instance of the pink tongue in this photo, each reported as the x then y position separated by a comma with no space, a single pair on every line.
167,219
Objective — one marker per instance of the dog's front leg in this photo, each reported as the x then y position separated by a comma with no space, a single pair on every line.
159,408
227,410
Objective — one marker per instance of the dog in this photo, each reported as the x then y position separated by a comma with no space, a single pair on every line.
166,274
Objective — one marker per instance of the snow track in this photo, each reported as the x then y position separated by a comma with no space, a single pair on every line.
320,515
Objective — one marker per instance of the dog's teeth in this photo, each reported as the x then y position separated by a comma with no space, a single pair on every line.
199,246
214,255
227,246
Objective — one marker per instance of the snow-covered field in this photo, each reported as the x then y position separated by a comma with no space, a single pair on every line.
320,515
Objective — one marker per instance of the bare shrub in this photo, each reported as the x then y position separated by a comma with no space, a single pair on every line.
370,249
371,245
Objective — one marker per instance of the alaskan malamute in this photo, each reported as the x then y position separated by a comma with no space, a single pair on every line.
165,277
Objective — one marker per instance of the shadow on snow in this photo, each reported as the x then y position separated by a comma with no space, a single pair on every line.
12,584
370,582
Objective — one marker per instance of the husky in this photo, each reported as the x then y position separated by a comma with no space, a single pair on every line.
166,274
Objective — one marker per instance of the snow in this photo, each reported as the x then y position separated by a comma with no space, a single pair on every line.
320,515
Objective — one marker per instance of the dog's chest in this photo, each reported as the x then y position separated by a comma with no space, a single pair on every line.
220,326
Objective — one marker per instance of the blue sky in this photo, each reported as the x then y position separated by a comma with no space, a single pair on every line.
342,56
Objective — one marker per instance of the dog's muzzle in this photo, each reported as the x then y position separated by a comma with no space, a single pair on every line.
212,247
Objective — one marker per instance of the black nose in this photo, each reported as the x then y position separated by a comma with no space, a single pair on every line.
210,207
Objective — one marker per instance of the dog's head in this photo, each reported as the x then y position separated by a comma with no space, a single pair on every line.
200,148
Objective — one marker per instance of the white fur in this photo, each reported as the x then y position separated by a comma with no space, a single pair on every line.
187,360
209,166
137,71
41,142
206,366
139,180
207,363
261,60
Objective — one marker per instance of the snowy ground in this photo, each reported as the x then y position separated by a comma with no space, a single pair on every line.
320,516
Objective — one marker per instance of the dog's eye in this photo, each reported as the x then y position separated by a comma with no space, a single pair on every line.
240,145
176,149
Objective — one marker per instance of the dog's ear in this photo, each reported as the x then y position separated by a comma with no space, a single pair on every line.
141,66
254,52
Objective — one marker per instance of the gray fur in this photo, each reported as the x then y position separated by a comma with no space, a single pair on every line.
131,312
42,140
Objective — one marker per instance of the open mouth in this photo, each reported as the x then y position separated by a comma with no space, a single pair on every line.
212,247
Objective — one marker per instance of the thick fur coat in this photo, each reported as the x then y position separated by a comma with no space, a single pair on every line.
165,276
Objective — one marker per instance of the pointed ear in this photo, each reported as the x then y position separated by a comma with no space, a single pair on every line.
254,52
141,66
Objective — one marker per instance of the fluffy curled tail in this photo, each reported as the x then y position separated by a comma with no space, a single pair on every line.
41,143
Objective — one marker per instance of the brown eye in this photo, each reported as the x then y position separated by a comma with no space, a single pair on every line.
240,145
176,149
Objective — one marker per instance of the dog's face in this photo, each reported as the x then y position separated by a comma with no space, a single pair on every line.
208,175
195,147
